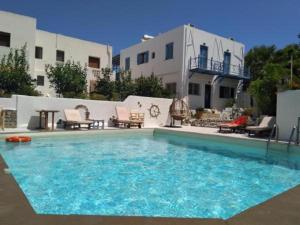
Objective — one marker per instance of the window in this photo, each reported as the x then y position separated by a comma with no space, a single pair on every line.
194,89
60,56
38,52
169,51
171,87
226,92
40,80
127,63
203,57
143,57
153,55
4,39
94,62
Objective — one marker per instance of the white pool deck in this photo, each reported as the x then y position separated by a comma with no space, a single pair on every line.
186,129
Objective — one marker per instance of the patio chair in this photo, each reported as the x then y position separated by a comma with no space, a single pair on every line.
73,118
136,116
265,125
234,125
124,118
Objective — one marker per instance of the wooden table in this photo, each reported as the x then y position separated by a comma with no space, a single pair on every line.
46,114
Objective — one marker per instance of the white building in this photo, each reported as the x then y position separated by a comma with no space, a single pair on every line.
207,68
49,48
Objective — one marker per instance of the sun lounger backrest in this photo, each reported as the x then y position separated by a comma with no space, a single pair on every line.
72,115
122,113
267,121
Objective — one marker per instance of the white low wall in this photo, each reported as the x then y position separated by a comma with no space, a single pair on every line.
8,103
27,106
288,111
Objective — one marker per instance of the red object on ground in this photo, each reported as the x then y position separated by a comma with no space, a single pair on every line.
239,122
18,139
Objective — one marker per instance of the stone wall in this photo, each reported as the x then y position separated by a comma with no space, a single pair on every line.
10,119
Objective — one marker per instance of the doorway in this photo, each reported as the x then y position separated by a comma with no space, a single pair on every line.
207,96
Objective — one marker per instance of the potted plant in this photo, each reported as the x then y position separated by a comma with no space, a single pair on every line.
199,112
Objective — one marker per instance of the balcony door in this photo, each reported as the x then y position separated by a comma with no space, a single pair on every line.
226,63
203,57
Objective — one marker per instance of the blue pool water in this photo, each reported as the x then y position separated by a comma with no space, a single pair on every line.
142,174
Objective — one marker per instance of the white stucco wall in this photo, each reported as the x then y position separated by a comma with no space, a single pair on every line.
22,31
158,65
187,41
75,50
288,110
28,117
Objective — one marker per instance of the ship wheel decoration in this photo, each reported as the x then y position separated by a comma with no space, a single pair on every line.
154,111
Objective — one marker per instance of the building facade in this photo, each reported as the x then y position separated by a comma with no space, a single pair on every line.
206,68
49,48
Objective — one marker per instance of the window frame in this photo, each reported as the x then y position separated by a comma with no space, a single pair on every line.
153,55
36,52
171,87
142,57
168,53
226,92
60,51
194,91
5,37
37,80
127,63
97,58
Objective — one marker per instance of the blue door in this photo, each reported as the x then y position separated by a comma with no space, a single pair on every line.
203,57
226,63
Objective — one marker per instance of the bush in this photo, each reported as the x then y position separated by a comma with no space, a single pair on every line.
68,79
14,74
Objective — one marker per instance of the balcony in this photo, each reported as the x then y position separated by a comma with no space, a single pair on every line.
213,67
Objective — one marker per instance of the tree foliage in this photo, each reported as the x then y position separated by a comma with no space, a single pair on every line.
150,86
14,74
68,79
270,69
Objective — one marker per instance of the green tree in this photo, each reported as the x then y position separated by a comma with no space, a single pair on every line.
264,89
120,89
68,79
150,86
125,86
258,57
104,85
14,74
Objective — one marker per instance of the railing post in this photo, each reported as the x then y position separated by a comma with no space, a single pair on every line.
190,62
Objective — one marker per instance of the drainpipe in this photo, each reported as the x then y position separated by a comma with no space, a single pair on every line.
184,81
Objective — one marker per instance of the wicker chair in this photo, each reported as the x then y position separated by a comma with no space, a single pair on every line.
179,110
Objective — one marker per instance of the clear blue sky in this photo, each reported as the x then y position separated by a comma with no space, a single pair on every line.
121,23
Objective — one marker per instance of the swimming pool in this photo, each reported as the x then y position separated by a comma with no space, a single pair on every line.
147,174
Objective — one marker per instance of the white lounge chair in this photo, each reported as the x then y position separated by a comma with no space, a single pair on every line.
265,125
124,118
73,118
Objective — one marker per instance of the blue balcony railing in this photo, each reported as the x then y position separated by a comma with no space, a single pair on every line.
210,66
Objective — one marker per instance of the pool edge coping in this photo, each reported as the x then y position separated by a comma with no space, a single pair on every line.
17,210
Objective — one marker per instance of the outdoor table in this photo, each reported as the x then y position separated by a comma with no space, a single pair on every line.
46,114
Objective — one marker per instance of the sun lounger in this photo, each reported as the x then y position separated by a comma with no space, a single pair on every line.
124,118
74,119
232,126
265,125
